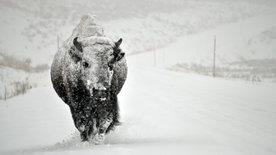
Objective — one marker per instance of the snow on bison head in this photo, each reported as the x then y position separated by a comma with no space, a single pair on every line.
96,57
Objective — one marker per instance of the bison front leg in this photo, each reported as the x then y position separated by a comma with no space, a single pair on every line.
83,122
86,131
84,136
102,129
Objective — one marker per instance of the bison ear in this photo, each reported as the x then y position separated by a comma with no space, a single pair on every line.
77,44
118,54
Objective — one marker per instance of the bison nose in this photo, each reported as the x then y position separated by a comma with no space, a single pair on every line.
100,94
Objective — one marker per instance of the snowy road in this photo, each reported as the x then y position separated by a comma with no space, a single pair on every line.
163,112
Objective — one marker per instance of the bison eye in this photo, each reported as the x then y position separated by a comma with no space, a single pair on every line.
85,64
110,66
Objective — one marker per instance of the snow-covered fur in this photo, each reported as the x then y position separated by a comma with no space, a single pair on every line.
87,73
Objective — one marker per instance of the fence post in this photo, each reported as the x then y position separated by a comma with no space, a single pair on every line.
23,87
214,59
5,93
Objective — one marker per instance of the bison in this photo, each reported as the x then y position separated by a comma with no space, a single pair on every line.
87,73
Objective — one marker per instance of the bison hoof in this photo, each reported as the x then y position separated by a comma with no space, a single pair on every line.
99,139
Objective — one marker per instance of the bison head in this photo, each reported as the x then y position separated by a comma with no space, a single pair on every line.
95,58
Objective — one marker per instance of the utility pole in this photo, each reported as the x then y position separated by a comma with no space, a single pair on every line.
214,63
5,93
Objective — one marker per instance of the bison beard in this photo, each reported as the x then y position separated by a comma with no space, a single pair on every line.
91,115
88,73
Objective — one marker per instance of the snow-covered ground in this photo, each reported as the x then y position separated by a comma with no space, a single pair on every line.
163,111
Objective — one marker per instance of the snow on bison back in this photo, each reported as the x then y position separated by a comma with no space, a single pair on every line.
87,73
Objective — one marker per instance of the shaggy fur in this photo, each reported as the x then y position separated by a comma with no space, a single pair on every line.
87,75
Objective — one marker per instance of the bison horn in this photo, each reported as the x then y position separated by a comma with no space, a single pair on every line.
118,43
77,44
